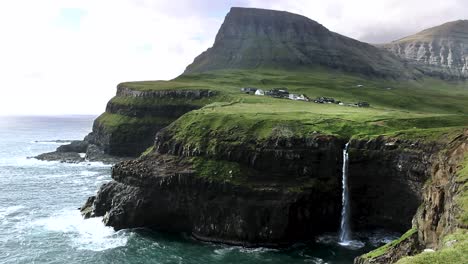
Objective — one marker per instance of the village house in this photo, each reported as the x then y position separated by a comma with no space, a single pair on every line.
363,104
278,93
249,90
324,100
259,92
298,97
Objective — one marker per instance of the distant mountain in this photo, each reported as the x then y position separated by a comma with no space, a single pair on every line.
440,51
257,38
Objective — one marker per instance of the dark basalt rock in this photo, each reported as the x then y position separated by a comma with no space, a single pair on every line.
67,157
130,139
162,192
438,214
79,151
78,146
276,205
386,177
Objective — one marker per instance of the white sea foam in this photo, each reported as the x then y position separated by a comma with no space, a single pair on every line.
89,234
329,239
51,142
9,211
26,162
352,244
89,173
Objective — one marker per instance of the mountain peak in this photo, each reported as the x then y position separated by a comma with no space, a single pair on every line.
449,30
251,38
440,51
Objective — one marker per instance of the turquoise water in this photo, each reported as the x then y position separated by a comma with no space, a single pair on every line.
40,223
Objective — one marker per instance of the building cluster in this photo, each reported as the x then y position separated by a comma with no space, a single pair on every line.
276,93
284,93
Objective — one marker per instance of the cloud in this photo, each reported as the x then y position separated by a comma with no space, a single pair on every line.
67,56
374,21
64,57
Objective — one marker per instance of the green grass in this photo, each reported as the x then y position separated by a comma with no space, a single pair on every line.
429,107
385,248
425,95
454,251
112,122
426,109
220,170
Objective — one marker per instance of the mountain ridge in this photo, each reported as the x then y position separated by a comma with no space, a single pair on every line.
440,51
252,38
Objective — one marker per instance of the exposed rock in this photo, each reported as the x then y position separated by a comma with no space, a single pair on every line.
178,200
87,210
291,192
190,94
386,177
67,157
258,38
79,151
439,51
131,138
398,249
78,146
438,214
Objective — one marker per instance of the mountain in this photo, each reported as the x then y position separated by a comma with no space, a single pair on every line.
440,51
257,38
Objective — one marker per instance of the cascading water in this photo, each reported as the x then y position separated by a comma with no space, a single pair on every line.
345,232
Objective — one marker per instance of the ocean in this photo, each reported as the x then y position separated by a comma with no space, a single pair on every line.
40,221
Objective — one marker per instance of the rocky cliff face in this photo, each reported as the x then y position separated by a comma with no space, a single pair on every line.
257,38
133,117
439,51
274,192
236,199
440,212
386,179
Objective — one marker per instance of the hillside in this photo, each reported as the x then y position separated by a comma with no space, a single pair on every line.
253,38
250,169
439,51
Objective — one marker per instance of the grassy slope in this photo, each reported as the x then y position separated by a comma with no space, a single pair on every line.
455,246
428,109
396,106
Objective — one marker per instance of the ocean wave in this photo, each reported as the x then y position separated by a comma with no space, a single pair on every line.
54,142
85,234
10,211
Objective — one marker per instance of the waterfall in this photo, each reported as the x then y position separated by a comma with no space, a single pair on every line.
345,232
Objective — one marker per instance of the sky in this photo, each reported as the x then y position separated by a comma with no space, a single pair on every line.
61,57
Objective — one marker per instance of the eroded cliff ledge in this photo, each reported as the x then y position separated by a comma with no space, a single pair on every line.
440,223
272,192
132,118
237,200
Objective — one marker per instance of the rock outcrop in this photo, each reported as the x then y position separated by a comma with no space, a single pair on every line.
80,151
440,213
238,199
386,180
256,38
273,192
440,51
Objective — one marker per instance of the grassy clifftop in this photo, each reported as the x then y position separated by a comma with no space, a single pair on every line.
396,105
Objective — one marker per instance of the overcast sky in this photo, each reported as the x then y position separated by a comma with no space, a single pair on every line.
67,56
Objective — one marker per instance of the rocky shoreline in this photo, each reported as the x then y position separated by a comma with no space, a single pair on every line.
80,151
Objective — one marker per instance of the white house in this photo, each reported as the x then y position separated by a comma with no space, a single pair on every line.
259,92
297,97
